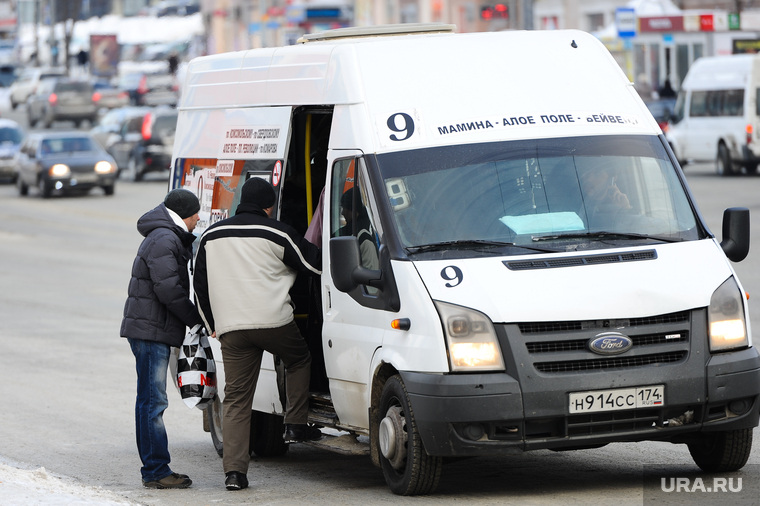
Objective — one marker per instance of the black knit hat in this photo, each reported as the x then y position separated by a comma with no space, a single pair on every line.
183,202
257,191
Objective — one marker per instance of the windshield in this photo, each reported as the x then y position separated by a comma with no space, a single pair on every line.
11,135
551,194
67,145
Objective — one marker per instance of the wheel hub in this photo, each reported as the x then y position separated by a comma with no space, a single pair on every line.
393,438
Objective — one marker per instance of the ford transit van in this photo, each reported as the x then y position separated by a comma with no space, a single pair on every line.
512,257
716,117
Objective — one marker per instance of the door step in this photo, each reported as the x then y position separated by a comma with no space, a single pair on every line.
341,442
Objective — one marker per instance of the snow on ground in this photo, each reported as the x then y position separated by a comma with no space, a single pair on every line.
19,487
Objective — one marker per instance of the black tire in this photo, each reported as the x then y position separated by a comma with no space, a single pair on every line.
23,188
110,189
407,467
214,419
722,452
134,169
266,435
723,164
46,189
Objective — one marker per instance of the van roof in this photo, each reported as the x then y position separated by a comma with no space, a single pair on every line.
538,81
719,72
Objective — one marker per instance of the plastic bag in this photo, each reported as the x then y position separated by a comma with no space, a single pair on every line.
196,369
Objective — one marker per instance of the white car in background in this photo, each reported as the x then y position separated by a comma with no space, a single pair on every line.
27,83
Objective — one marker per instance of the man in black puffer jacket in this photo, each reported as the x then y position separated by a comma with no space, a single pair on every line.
157,310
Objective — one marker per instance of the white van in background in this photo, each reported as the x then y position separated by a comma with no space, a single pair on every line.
716,114
511,257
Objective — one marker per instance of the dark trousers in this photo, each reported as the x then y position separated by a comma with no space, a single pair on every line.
241,353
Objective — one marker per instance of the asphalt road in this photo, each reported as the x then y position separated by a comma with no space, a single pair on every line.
68,381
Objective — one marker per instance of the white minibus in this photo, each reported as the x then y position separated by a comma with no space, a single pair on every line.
526,267
716,114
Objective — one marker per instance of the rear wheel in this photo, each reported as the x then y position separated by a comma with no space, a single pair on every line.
722,452
214,420
23,188
723,165
266,435
134,169
407,467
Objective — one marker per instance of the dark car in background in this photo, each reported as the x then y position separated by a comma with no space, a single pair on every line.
8,74
62,99
144,142
662,110
63,162
11,136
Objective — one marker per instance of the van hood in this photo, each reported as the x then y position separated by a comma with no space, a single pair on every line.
670,278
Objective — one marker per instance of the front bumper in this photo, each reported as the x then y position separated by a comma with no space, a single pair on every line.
484,414
82,182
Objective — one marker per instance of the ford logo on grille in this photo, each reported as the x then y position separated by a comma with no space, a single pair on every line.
610,343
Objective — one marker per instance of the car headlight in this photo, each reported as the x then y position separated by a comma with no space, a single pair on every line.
727,328
59,170
471,339
103,167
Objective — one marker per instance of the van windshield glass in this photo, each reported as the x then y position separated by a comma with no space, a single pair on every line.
551,194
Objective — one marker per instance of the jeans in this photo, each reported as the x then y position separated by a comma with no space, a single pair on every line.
152,361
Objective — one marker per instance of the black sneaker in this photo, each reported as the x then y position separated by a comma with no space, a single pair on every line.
236,481
299,432
174,480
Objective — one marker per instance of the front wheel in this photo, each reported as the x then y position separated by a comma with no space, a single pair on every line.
722,452
407,467
46,188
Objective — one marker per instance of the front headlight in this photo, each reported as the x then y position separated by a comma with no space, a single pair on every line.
59,170
471,339
104,167
727,327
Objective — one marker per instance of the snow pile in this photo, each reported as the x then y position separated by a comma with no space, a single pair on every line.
38,488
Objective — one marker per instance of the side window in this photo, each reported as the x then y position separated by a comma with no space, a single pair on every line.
698,104
351,212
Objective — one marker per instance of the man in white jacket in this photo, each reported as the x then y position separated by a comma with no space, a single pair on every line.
244,269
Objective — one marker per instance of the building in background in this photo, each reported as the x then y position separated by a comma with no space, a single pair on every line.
652,40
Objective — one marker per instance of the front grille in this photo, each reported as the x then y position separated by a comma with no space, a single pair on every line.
580,344
543,327
558,347
610,363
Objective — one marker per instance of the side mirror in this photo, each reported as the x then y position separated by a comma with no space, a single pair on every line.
345,266
735,242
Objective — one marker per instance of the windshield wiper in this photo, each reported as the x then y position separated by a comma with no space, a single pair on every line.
470,244
604,235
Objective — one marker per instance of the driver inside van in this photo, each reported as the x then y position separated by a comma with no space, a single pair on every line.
600,192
